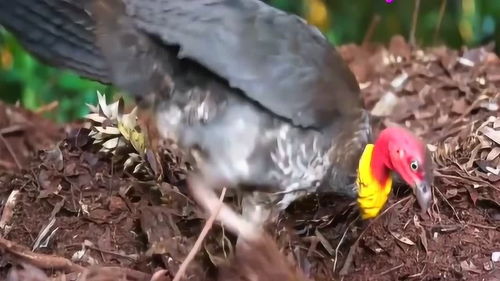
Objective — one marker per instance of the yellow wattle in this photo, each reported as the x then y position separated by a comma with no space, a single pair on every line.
372,195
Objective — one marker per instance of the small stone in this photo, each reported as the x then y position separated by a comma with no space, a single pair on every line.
495,256
488,266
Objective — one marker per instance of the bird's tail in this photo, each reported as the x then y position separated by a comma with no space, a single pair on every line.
58,32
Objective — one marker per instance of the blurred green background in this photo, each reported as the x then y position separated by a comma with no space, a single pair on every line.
454,23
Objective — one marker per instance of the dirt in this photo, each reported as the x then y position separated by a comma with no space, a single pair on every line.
75,202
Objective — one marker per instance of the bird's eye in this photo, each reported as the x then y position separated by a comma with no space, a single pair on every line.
414,165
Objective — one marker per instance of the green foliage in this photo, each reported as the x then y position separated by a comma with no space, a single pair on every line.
466,22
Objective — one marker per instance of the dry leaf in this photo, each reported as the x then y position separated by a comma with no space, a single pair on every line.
402,239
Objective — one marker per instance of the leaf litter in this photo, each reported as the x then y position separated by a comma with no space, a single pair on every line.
106,199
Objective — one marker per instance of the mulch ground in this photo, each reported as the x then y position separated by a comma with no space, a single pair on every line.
70,212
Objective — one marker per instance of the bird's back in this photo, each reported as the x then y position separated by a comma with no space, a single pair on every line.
263,95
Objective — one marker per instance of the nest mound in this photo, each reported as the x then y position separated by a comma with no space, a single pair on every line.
73,208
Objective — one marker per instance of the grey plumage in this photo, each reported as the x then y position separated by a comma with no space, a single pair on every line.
258,94
275,58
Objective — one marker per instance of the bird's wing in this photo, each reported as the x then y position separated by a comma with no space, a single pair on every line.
275,58
136,63
59,32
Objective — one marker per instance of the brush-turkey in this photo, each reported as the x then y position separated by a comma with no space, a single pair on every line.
261,98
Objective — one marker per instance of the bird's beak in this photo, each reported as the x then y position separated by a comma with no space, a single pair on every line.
423,194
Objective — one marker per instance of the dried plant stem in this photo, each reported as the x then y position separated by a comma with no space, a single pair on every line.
39,260
352,250
11,152
340,243
449,204
197,245
414,22
371,29
391,269
47,108
442,9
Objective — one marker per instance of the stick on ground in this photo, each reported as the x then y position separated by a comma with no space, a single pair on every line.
39,260
201,237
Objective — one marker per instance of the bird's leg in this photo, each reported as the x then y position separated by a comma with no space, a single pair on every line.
257,255
256,207
204,194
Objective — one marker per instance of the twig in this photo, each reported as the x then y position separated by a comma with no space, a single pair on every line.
371,29
414,22
350,255
39,260
391,269
418,274
483,226
438,173
324,242
442,228
12,129
340,243
11,152
48,107
201,237
442,9
449,204
348,260
111,252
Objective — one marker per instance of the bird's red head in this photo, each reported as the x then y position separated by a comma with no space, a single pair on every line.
397,149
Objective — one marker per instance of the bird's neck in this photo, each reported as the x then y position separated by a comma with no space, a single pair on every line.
374,186
380,163
373,165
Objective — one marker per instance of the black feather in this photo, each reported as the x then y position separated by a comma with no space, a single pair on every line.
58,32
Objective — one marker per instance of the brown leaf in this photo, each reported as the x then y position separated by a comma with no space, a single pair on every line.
49,182
53,158
402,238
116,205
473,194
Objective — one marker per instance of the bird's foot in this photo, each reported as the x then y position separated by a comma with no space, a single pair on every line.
259,208
205,195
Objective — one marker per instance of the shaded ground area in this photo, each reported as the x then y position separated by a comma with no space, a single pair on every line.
78,197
